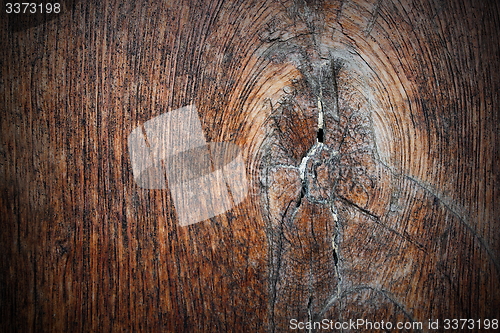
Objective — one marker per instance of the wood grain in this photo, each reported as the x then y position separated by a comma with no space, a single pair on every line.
393,216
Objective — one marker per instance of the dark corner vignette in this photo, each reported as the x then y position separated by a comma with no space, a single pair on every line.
25,20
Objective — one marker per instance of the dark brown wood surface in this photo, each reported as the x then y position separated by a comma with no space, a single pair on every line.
394,216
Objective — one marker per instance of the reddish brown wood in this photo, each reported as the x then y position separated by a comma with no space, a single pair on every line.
395,217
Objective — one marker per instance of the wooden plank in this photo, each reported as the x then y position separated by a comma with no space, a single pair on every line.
369,132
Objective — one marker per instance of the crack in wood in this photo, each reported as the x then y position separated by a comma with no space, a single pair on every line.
311,172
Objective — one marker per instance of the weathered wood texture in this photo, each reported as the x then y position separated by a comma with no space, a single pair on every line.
394,216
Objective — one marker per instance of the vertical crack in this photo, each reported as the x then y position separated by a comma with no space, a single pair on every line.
336,296
315,171
335,255
302,194
321,121
309,311
329,83
320,135
335,247
335,68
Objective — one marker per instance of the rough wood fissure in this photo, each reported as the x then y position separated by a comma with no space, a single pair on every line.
370,134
